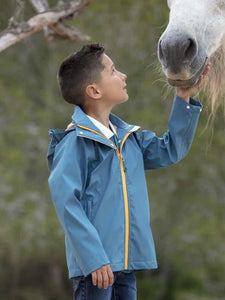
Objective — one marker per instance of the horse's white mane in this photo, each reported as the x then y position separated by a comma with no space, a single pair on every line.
213,85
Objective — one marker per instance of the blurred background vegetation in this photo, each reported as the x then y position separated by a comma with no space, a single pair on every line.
187,199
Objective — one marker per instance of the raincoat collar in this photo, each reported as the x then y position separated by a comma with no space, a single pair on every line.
80,119
84,127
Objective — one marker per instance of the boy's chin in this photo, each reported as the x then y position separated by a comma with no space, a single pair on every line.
126,98
122,100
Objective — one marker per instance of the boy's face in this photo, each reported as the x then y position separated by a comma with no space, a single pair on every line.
112,84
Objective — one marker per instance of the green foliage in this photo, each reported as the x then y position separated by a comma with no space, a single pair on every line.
187,200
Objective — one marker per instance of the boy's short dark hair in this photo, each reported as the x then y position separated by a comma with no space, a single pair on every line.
78,70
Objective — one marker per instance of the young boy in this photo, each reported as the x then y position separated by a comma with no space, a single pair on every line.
97,179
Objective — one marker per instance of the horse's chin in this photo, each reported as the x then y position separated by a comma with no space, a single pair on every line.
189,82
183,83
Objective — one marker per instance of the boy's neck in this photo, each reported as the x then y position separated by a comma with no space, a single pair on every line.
101,114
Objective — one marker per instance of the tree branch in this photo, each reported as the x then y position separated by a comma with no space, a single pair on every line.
41,6
58,30
48,18
66,32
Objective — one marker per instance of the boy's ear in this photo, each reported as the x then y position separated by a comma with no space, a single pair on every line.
93,91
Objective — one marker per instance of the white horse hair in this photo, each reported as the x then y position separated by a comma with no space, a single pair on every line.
194,36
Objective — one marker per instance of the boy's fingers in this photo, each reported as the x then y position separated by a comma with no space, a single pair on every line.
102,277
99,279
199,81
111,277
207,68
105,279
94,278
185,92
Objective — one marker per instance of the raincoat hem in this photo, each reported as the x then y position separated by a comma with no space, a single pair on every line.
140,265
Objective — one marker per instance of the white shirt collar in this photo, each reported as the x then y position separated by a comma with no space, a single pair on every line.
105,130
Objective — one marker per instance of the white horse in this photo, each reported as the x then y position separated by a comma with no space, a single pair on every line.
194,36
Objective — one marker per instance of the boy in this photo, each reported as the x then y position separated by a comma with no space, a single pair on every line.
97,179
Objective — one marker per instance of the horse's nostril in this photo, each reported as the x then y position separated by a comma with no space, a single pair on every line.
190,49
161,53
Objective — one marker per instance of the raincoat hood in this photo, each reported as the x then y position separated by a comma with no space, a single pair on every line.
79,118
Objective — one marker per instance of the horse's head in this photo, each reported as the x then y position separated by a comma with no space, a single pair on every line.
195,31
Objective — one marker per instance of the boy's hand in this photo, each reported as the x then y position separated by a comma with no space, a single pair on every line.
185,93
103,275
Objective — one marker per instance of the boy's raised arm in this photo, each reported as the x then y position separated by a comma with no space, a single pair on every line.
175,143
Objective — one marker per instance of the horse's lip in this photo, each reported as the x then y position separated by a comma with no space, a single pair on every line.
189,82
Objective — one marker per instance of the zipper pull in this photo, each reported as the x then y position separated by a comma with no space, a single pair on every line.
124,165
121,156
123,160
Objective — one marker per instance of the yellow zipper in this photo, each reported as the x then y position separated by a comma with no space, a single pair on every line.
125,194
126,206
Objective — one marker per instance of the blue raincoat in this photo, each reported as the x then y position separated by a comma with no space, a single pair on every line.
99,189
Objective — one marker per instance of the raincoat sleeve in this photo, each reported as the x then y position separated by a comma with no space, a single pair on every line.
175,143
67,182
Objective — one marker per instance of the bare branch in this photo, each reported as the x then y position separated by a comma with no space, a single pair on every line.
18,15
48,18
66,32
40,5
58,30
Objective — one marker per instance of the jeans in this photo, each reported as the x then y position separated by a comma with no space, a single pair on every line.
123,288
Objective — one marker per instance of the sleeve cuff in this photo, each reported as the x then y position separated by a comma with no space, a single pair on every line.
194,104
